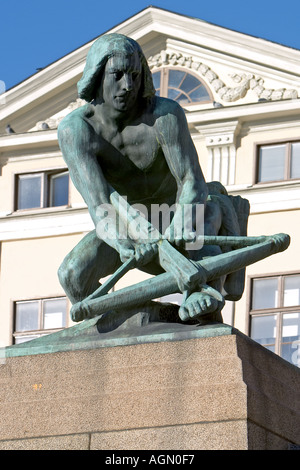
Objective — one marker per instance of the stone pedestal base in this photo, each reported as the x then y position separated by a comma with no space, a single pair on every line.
176,388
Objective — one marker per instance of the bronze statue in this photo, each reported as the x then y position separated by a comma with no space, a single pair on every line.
127,144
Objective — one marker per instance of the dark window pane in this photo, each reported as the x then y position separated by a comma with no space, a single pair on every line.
54,313
173,94
295,160
200,94
181,98
175,78
29,191
263,329
189,83
156,80
271,163
59,190
265,293
27,316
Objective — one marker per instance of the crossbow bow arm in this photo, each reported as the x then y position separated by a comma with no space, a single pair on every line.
165,284
257,249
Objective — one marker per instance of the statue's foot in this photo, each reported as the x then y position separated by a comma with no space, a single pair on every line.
203,307
80,311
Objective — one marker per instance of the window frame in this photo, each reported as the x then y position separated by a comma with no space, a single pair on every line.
279,311
287,159
40,331
46,189
164,74
49,195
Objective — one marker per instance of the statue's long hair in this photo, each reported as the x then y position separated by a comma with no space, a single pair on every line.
101,50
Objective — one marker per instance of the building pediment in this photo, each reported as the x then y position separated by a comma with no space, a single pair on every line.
53,121
230,84
236,68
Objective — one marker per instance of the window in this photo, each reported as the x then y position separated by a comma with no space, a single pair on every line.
278,162
275,315
34,318
45,189
180,86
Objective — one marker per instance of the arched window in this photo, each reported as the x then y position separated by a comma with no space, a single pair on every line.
181,86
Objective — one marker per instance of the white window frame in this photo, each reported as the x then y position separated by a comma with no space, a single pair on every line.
288,153
279,311
32,334
46,187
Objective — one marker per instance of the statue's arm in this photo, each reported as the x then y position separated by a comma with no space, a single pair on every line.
79,149
76,143
182,159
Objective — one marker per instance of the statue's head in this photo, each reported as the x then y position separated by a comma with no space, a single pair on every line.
101,51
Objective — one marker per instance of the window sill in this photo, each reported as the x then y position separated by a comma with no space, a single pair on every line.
34,334
39,211
275,184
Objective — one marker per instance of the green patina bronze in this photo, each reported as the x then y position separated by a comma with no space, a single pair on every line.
127,142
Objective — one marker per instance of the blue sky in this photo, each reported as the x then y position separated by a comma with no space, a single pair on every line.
35,33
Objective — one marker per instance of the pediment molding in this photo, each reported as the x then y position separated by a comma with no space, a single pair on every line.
246,82
53,121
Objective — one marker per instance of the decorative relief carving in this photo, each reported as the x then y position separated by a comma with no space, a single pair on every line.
52,122
256,84
228,94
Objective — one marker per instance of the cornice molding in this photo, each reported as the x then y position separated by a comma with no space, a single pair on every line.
53,122
244,112
28,139
45,224
228,94
270,198
231,43
247,112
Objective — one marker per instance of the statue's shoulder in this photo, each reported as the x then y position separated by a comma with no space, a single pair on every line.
75,122
165,107
169,115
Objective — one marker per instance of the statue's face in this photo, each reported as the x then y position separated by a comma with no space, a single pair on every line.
122,81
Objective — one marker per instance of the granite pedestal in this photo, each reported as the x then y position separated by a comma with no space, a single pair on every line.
164,386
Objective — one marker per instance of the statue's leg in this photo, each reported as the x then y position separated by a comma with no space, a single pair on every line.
202,305
90,260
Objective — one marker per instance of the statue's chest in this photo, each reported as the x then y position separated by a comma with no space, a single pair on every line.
138,145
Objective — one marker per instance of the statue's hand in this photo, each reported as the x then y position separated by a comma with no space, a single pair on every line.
179,239
142,252
145,252
125,249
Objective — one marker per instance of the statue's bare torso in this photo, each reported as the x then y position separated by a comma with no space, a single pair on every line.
131,158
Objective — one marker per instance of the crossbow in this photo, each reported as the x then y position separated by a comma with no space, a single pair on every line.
194,275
